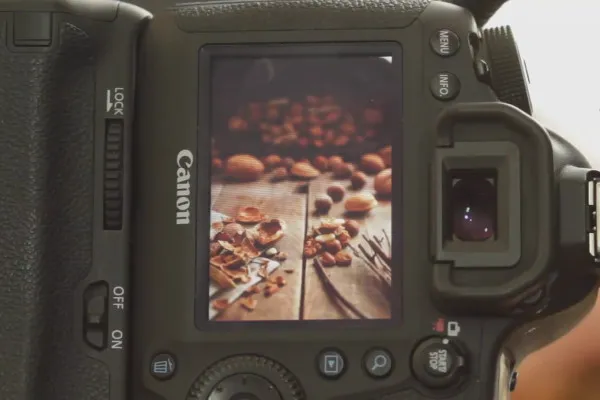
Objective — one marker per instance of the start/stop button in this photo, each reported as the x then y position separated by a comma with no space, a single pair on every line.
438,363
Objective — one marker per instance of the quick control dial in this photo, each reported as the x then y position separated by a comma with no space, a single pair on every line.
507,74
246,378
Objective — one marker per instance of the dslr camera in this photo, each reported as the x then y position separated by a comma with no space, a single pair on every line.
203,203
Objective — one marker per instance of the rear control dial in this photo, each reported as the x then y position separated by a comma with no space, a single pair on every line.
246,378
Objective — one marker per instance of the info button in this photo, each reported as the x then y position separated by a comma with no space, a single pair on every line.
445,86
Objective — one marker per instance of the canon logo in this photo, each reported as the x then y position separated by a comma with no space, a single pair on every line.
185,160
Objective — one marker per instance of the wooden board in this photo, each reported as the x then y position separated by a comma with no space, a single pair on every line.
280,201
305,296
356,282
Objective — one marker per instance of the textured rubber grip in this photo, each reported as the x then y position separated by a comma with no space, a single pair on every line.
46,173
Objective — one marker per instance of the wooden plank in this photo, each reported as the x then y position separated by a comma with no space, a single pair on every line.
356,282
277,200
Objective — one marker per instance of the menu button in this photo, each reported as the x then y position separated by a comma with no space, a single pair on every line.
445,43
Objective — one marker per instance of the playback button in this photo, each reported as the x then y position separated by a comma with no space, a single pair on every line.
438,363
331,364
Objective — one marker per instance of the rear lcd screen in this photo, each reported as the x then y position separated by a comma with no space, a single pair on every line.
301,187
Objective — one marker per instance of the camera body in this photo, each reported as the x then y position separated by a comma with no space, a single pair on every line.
238,231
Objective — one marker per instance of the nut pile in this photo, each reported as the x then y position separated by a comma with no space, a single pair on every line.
236,243
362,202
314,122
247,168
329,240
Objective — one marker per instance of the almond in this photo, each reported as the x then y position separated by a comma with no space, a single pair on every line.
272,161
343,259
249,215
244,168
327,259
249,303
386,155
361,202
220,304
304,170
383,182
221,278
372,163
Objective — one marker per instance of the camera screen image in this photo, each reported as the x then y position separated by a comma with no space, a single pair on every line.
301,187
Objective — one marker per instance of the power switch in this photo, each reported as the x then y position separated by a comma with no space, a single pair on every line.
113,174
95,319
32,29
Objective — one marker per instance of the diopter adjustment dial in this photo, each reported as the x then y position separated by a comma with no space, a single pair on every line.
507,72
246,377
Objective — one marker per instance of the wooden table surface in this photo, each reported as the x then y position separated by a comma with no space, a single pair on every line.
304,296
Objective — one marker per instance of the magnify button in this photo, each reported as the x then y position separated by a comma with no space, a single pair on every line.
378,363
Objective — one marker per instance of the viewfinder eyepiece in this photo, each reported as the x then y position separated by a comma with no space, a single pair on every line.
473,205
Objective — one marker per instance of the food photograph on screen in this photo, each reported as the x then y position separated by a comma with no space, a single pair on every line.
301,188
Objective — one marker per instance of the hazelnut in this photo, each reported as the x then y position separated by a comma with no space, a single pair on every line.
342,171
348,128
222,237
360,203
373,116
336,192
372,163
280,281
279,174
352,227
335,160
323,203
304,170
272,113
272,161
383,182
244,167
234,229
327,259
288,162
215,249
343,259
271,289
310,251
341,141
321,163
344,238
217,165
358,180
238,124
386,155
333,246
